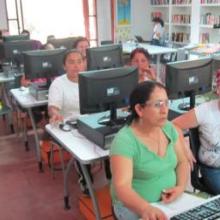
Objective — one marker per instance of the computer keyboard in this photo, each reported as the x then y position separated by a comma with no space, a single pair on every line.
209,210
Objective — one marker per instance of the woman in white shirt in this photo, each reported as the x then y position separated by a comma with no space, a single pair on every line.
63,100
141,59
158,32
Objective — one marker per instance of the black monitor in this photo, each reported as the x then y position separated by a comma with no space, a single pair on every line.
13,50
188,78
43,64
104,57
66,43
16,37
107,89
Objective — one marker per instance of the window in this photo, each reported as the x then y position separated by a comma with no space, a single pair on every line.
48,17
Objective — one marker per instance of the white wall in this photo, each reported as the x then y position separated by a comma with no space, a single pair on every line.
3,16
104,20
140,19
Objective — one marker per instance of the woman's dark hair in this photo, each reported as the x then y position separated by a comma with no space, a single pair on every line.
140,95
68,52
158,20
79,39
140,50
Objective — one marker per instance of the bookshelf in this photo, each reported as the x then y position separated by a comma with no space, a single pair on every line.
176,15
209,21
180,22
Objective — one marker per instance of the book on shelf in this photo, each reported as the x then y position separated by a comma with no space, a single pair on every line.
181,19
209,1
181,2
159,2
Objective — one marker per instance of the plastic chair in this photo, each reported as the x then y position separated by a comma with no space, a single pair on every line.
197,180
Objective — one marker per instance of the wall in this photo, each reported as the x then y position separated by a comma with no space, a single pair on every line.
104,20
140,19
3,16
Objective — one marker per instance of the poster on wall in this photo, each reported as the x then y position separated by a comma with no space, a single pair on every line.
123,12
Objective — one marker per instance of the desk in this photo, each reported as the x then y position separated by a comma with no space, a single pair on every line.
85,152
28,102
199,100
152,50
4,78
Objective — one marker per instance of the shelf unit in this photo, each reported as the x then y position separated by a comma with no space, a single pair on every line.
180,23
176,19
202,16
209,17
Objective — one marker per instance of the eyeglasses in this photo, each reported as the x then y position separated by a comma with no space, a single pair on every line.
157,103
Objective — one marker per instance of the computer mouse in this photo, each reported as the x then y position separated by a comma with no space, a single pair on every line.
72,123
65,127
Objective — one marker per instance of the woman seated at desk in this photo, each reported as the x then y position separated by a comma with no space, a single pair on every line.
63,100
147,157
207,118
141,59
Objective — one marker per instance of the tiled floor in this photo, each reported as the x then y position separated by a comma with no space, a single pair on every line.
27,194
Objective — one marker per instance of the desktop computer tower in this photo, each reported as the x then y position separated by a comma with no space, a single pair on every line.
100,134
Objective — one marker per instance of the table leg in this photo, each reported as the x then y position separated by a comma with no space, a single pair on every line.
91,191
66,176
37,142
158,67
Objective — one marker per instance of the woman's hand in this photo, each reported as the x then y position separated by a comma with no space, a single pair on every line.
148,73
153,213
171,194
56,118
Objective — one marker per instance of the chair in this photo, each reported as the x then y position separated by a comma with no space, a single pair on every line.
141,40
196,178
107,42
181,54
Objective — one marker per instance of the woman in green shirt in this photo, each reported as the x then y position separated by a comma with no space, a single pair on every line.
147,158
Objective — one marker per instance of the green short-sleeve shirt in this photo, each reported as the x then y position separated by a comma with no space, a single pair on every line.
151,173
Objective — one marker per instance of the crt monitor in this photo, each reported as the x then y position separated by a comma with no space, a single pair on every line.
104,57
16,37
188,78
43,63
107,89
13,50
66,43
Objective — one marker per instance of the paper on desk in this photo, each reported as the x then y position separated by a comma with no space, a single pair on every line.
184,202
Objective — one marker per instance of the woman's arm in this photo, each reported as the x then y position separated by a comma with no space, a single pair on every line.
122,181
25,82
182,172
54,114
187,120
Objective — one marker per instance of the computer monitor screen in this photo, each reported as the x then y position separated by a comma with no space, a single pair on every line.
66,43
43,63
13,50
107,89
188,78
104,57
16,37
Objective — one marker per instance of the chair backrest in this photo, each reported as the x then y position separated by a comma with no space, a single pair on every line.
139,39
106,42
196,178
181,54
